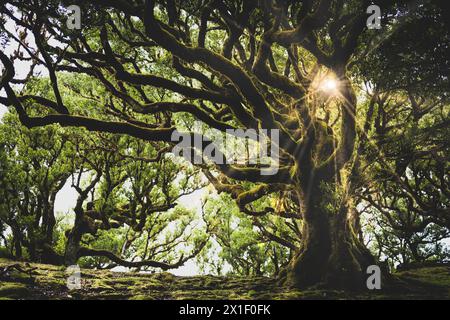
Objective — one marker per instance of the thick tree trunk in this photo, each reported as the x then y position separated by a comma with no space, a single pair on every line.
74,239
82,225
17,239
332,254
47,253
72,248
32,250
50,224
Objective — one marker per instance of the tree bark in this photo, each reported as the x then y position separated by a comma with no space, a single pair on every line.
74,236
72,247
17,239
332,254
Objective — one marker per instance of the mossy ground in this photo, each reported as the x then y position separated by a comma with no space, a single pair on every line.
49,282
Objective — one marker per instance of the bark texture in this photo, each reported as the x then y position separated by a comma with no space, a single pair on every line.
331,254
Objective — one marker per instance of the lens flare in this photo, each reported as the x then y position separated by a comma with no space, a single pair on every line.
329,85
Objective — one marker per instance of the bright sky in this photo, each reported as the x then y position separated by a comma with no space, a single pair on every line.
3,110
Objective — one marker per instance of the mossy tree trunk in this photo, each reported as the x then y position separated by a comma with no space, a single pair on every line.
74,236
73,242
81,226
17,240
331,255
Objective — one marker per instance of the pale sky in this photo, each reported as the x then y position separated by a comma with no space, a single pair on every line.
3,110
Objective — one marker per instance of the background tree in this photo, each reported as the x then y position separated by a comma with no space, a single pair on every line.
242,245
406,191
35,172
121,184
135,192
406,185
289,66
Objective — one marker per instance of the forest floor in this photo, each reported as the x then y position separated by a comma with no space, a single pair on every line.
20,280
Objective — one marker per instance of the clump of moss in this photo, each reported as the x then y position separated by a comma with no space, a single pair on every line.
13,290
439,276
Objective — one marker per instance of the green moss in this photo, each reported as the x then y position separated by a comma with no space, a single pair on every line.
204,295
98,285
252,293
141,297
439,276
3,261
164,277
4,253
14,290
50,282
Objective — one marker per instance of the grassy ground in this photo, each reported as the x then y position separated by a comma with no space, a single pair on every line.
49,282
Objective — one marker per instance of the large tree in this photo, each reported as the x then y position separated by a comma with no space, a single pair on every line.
279,65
